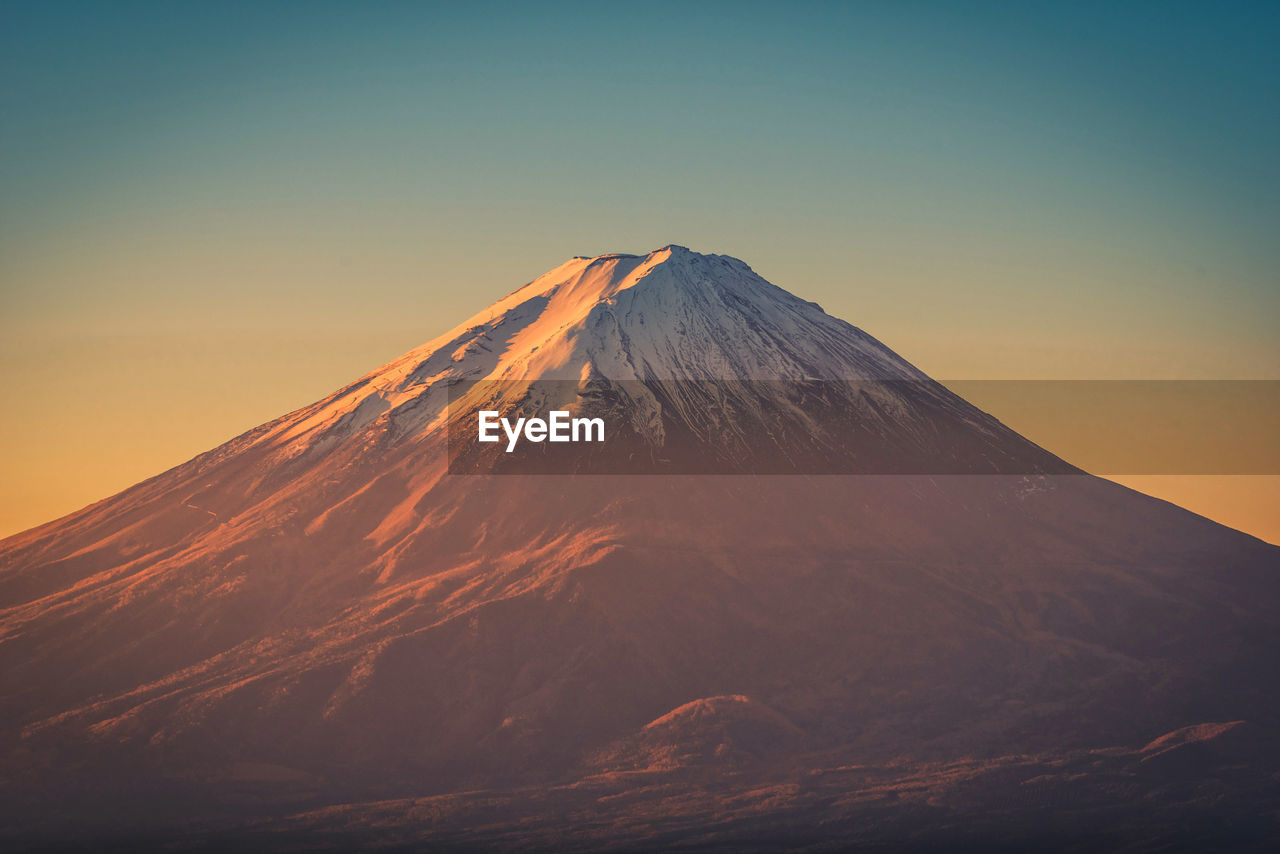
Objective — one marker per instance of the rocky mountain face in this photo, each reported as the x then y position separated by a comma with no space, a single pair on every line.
320,619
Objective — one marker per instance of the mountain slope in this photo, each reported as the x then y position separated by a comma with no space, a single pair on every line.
321,597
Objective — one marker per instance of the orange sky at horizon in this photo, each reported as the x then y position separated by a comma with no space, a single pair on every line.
99,415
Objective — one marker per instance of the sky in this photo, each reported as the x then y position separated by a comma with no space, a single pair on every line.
213,213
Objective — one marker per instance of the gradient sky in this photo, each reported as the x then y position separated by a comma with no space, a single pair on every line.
211,214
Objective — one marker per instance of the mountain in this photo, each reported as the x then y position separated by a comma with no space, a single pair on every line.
332,627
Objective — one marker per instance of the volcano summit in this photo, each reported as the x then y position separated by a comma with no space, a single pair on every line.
321,633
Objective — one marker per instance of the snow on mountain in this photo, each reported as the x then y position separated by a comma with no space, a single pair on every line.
671,314
674,335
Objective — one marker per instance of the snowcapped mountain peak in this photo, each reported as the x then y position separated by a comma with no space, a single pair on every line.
603,276
672,314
